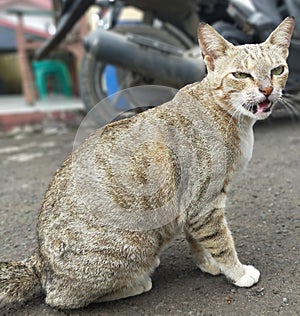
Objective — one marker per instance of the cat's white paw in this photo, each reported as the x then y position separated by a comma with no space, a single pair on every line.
250,277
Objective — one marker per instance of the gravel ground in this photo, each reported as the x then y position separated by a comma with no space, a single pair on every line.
263,213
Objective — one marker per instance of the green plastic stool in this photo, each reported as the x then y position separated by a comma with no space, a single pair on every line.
55,70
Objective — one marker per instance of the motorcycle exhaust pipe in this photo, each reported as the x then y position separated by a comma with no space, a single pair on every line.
146,56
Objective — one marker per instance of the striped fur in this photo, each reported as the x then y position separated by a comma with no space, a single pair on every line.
122,196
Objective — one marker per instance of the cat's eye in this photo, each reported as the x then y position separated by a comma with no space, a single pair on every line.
277,71
241,75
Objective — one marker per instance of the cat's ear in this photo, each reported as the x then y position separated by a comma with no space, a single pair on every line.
212,44
280,38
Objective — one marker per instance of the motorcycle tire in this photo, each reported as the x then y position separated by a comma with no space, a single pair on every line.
91,85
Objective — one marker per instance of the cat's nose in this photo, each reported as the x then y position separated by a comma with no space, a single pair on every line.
266,90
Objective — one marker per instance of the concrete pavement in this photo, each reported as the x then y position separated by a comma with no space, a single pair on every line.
14,112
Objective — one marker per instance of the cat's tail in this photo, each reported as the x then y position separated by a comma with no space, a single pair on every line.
18,281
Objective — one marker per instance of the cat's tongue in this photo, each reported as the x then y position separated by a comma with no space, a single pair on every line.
263,106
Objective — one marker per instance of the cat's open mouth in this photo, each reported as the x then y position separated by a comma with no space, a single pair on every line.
262,107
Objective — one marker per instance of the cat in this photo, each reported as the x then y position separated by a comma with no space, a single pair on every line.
121,197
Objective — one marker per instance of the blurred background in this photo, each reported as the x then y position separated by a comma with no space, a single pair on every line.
67,55
31,89
38,24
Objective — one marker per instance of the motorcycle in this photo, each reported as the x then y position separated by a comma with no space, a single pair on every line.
162,49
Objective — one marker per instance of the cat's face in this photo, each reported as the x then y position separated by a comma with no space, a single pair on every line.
247,78
253,79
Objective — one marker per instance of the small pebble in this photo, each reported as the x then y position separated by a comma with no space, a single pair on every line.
285,300
260,291
228,299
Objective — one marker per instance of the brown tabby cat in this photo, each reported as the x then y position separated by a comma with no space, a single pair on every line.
133,185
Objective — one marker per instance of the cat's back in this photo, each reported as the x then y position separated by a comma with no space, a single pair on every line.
140,163
123,172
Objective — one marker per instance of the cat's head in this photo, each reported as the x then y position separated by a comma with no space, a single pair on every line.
247,78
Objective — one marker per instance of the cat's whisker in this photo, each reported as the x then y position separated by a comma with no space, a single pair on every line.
232,116
231,119
240,112
290,108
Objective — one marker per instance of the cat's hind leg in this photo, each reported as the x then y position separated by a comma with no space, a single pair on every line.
67,294
144,284
140,287
212,235
203,259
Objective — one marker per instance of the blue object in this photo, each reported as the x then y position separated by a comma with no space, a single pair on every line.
111,79
112,86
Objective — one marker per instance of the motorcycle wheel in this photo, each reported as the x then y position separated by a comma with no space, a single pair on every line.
91,80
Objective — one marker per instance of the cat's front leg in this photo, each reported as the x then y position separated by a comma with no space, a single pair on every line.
213,249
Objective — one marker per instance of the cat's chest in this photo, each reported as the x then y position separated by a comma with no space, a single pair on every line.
246,144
